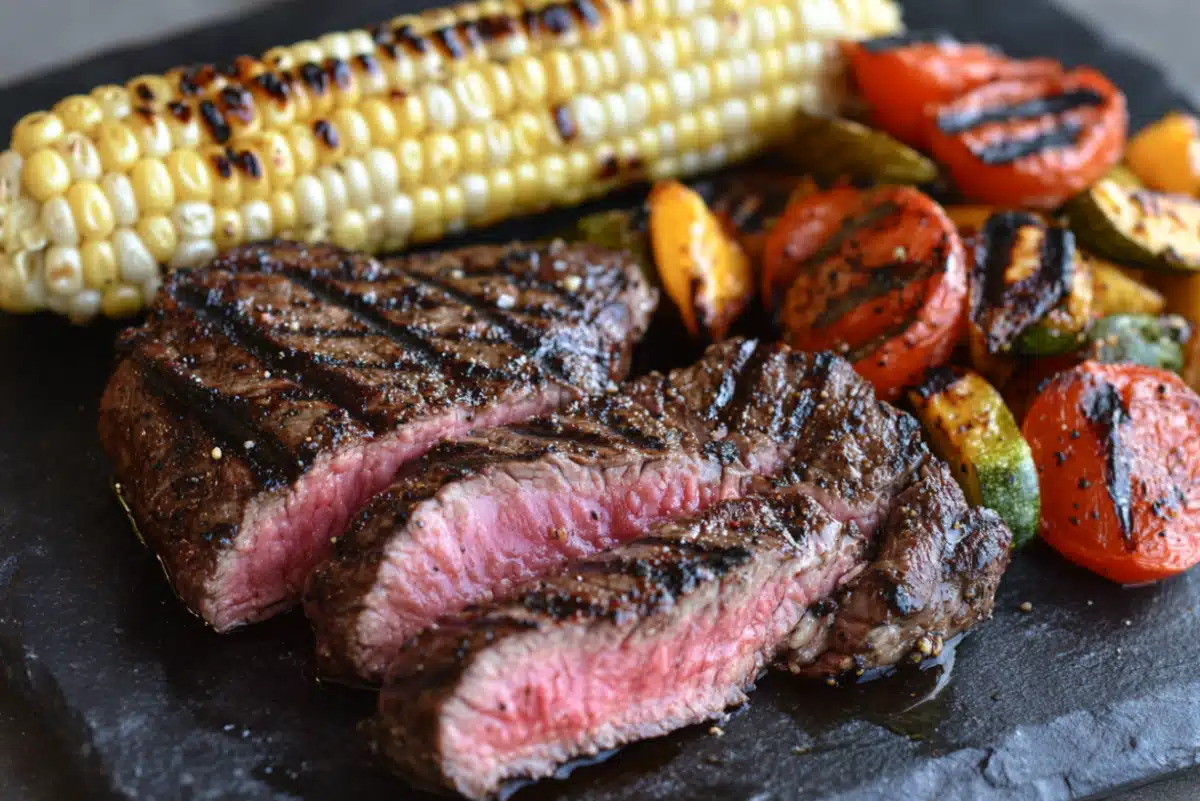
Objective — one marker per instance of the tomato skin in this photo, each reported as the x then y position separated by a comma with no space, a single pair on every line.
899,82
877,275
1048,176
1086,464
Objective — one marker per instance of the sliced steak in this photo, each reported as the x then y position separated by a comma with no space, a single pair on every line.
633,643
269,396
935,576
475,517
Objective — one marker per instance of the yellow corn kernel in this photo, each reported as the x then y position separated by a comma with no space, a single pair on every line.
502,194
384,174
153,136
121,300
158,235
687,132
352,131
193,219
528,134
133,257
454,208
91,210
79,113
357,178
283,211
349,230
119,191
398,220
500,83
256,216
151,91
529,80
229,229
589,75
117,145
474,98
99,262
499,143
311,208
427,214
63,271
442,160
411,118
409,162
36,131
610,65
46,174
660,103
472,148
152,186
276,154
226,181
114,100
709,132
527,185
561,80
337,199
303,145
381,122
190,175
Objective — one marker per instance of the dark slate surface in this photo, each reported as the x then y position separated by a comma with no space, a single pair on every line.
1096,688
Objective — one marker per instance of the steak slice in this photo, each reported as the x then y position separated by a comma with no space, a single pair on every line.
268,397
658,634
935,575
476,517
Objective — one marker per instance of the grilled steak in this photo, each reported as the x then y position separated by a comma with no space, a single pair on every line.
934,576
268,397
636,642
475,517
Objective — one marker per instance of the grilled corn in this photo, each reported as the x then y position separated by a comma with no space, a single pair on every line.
401,133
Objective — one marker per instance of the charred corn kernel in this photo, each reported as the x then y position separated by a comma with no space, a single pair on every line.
152,186
119,191
158,234
46,174
79,113
98,260
120,301
92,212
372,147
190,175
117,146
59,222
349,230
63,271
36,131
133,258
229,228
83,160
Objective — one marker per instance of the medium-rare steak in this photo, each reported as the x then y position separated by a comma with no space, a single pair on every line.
661,633
934,576
474,517
269,396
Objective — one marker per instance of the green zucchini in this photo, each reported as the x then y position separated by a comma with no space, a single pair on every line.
1029,293
830,148
969,426
1141,339
1138,227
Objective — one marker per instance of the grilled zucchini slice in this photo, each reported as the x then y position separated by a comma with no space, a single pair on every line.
1115,291
969,425
833,147
1144,339
1137,227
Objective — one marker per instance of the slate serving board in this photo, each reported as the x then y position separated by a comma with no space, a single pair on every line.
1096,688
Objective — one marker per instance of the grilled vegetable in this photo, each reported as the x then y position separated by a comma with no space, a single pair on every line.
1182,292
898,76
702,269
1120,481
619,229
1031,143
749,203
1024,270
376,138
877,275
1141,228
1121,175
970,427
832,147
1166,155
1140,339
1117,292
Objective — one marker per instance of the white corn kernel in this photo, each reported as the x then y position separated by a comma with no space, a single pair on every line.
311,207
81,156
706,34
614,110
257,215
683,93
376,227
335,45
307,52
84,306
59,222
473,96
440,107
150,288
632,55
637,105
361,43
63,271
337,200
193,253
358,183
663,56
735,117
499,143
475,195
133,256
701,82
11,164
590,120
398,218
385,175
762,23
119,191
193,219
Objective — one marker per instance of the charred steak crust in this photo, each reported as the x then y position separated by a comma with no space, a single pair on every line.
475,702
253,379
936,569
596,474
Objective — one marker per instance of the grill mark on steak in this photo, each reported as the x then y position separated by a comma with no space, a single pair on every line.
729,386
226,418
749,371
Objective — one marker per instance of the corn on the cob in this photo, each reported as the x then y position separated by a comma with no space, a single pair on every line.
401,133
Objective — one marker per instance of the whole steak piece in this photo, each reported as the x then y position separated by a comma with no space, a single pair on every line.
268,397
660,633
474,518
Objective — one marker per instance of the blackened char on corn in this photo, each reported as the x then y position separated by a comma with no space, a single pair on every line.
269,396
475,517
636,642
